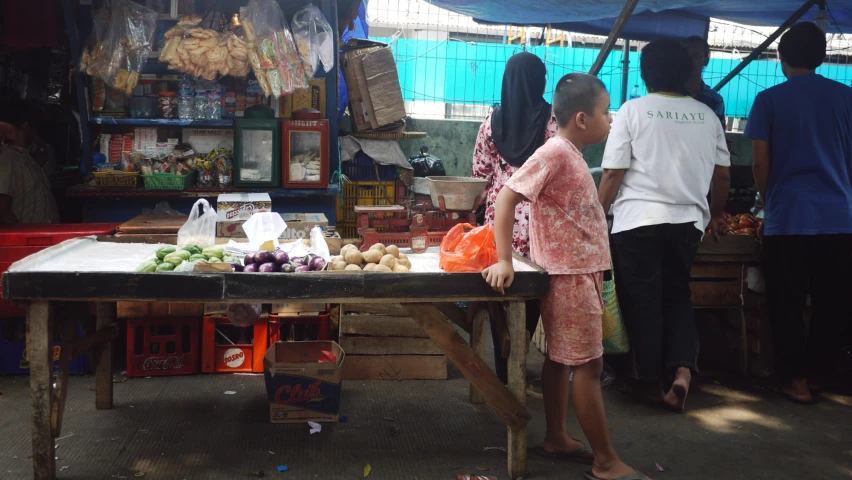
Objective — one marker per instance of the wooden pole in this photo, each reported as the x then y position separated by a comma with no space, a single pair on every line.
69,332
517,369
769,40
40,355
103,358
611,40
625,78
478,335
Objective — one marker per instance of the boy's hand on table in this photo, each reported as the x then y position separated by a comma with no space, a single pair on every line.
500,276
718,226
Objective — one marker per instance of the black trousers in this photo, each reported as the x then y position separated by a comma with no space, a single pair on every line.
794,266
500,363
652,272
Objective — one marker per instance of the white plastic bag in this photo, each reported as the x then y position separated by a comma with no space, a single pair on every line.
264,227
318,246
200,229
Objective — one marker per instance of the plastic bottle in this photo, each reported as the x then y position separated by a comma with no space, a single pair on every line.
634,94
199,103
185,93
214,101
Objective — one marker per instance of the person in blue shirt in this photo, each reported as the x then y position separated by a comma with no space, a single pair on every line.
699,51
802,134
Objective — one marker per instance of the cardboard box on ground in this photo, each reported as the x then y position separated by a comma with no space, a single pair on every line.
299,386
375,96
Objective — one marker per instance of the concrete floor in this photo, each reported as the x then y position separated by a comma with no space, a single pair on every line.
187,428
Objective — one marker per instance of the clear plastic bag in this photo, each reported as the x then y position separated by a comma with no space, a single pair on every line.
200,229
314,39
119,56
194,48
274,58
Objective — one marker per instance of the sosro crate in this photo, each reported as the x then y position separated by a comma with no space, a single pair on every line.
226,348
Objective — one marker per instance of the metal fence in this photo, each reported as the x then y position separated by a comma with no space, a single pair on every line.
451,67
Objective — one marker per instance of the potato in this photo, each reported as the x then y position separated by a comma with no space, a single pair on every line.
400,268
379,247
383,269
338,258
370,267
346,248
388,261
338,265
392,250
353,257
402,255
353,268
373,256
404,262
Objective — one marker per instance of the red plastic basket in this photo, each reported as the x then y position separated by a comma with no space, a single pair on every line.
220,356
162,346
299,329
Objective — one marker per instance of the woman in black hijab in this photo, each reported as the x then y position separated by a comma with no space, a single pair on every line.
507,138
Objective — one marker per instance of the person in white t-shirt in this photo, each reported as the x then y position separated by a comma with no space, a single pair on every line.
24,188
664,151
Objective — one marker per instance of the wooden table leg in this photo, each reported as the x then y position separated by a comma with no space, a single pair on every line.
69,333
474,369
517,369
103,359
478,336
40,355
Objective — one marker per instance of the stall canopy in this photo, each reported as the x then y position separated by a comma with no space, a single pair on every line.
651,18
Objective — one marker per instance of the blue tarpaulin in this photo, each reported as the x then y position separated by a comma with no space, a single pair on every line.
651,19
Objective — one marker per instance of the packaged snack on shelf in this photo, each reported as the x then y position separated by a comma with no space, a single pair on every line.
314,39
120,54
274,57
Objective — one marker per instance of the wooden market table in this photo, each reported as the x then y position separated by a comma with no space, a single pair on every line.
100,270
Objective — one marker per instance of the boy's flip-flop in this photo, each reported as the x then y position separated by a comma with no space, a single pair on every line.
632,476
578,456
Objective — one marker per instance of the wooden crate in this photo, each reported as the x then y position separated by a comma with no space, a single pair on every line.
381,343
158,309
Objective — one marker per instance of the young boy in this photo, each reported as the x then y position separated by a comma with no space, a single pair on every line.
568,234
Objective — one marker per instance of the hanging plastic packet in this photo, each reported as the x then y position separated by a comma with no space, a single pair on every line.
314,39
274,57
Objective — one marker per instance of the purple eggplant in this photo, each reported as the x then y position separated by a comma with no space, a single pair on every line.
303,268
249,259
237,266
263,256
297,261
269,267
287,268
317,263
250,268
281,257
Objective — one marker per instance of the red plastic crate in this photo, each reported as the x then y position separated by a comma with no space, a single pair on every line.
20,241
162,346
225,357
304,328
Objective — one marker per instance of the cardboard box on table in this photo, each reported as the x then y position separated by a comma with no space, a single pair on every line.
299,226
299,387
239,207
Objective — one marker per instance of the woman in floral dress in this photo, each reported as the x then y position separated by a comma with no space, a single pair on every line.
507,138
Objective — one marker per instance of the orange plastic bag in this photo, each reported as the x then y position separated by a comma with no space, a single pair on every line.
468,249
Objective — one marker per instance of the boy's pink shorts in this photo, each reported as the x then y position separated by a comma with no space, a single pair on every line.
572,315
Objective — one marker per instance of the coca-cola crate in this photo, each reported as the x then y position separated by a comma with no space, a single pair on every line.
226,348
301,328
162,346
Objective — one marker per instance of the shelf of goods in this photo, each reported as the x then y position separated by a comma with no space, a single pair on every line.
162,122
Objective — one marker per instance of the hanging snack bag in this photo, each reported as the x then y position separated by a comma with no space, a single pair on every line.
314,39
273,56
